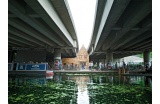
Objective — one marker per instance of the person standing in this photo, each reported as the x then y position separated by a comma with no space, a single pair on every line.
124,65
116,66
99,66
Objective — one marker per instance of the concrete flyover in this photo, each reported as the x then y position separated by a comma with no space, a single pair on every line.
121,27
43,25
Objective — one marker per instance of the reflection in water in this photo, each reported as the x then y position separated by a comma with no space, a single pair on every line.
49,76
39,90
148,81
58,78
88,89
82,82
19,81
136,80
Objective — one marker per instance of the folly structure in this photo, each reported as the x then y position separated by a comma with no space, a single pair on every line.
78,62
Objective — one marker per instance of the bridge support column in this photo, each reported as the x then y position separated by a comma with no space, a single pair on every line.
146,59
57,59
109,59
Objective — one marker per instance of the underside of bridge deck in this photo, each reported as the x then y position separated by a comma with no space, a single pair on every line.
123,27
42,24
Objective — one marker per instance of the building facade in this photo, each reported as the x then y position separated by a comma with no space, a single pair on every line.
79,62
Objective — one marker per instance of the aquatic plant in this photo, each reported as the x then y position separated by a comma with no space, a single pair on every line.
51,93
119,94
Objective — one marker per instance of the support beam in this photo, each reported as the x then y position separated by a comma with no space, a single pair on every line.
68,52
107,22
142,46
12,44
22,16
143,8
48,31
23,48
30,31
128,37
108,40
105,14
120,51
149,46
19,39
45,9
99,12
18,43
63,9
74,52
146,41
139,39
23,35
120,28
63,53
92,49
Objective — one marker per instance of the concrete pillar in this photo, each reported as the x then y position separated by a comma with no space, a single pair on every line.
146,59
57,59
109,59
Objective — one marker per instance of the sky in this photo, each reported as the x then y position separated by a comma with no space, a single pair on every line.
83,13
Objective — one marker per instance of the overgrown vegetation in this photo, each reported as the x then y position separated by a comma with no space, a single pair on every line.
119,94
51,93
106,89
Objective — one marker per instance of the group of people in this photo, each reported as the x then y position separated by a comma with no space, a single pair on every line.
117,65
73,67
70,66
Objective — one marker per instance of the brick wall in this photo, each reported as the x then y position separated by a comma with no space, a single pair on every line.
82,56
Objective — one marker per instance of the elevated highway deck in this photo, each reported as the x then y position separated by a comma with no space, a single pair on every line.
121,27
41,25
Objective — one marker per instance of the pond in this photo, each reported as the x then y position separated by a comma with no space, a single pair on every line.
79,89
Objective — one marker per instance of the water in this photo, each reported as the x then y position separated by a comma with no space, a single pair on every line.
79,89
